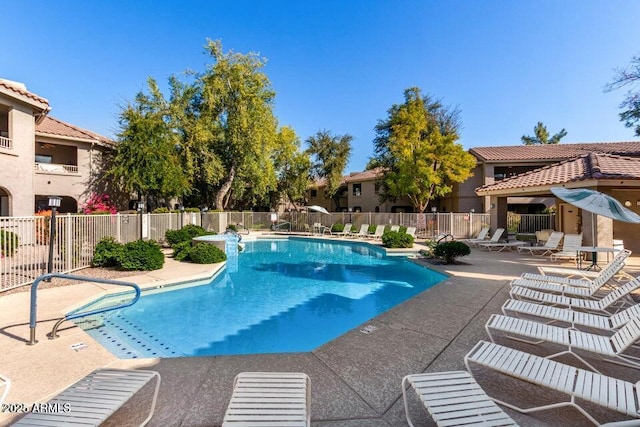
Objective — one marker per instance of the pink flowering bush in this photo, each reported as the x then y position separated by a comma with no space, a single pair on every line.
99,204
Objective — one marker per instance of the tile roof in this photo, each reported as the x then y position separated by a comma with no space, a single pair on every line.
586,166
367,175
555,151
22,91
55,127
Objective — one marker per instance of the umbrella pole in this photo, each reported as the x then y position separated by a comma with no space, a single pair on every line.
593,231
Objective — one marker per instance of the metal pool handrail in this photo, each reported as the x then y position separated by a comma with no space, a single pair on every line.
34,304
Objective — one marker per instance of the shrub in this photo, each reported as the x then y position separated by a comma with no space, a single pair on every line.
372,228
233,227
99,204
185,234
160,210
204,253
8,242
337,228
395,239
192,210
450,250
107,253
141,255
181,251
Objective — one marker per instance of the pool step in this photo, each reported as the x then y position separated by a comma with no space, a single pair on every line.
127,340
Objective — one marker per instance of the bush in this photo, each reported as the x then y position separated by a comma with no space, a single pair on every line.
141,255
204,253
8,242
450,250
185,234
160,210
372,228
233,227
107,253
181,251
395,239
192,210
337,228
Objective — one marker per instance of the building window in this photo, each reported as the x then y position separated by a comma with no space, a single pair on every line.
314,193
44,158
357,190
377,187
376,209
357,209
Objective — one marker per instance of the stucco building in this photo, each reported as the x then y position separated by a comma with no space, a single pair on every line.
41,156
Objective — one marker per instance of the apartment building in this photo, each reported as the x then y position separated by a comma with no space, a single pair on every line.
360,190
41,156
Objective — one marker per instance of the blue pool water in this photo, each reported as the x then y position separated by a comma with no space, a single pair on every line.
276,296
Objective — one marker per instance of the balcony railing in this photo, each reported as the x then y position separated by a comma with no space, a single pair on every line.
6,143
56,168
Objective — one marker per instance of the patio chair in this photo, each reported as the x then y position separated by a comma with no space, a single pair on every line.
411,231
550,245
454,399
608,392
95,398
5,385
592,305
570,247
364,231
579,287
345,231
378,233
500,246
609,348
563,274
269,399
395,228
481,237
608,323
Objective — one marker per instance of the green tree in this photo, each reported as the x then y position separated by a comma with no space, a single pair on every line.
233,106
629,76
330,155
542,136
416,147
146,161
293,168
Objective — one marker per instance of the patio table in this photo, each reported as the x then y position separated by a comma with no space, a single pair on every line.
594,255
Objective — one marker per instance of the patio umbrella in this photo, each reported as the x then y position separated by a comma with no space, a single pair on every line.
597,203
320,209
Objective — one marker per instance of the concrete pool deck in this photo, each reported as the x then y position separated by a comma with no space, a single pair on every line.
355,379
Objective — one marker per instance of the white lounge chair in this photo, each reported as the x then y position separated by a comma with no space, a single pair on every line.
269,399
609,348
378,233
617,395
94,398
481,237
576,319
5,385
345,231
550,245
500,246
454,399
578,287
364,231
592,305
411,231
570,247
568,276
395,228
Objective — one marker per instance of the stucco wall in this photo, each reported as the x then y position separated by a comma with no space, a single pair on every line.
16,165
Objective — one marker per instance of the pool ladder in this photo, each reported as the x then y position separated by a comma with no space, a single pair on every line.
54,331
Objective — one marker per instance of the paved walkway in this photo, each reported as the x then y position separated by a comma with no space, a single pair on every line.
355,378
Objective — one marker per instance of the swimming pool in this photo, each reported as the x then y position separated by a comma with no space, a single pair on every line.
277,296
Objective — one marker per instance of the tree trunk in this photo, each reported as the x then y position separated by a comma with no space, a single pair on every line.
226,186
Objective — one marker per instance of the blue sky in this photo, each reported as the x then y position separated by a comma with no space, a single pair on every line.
340,65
